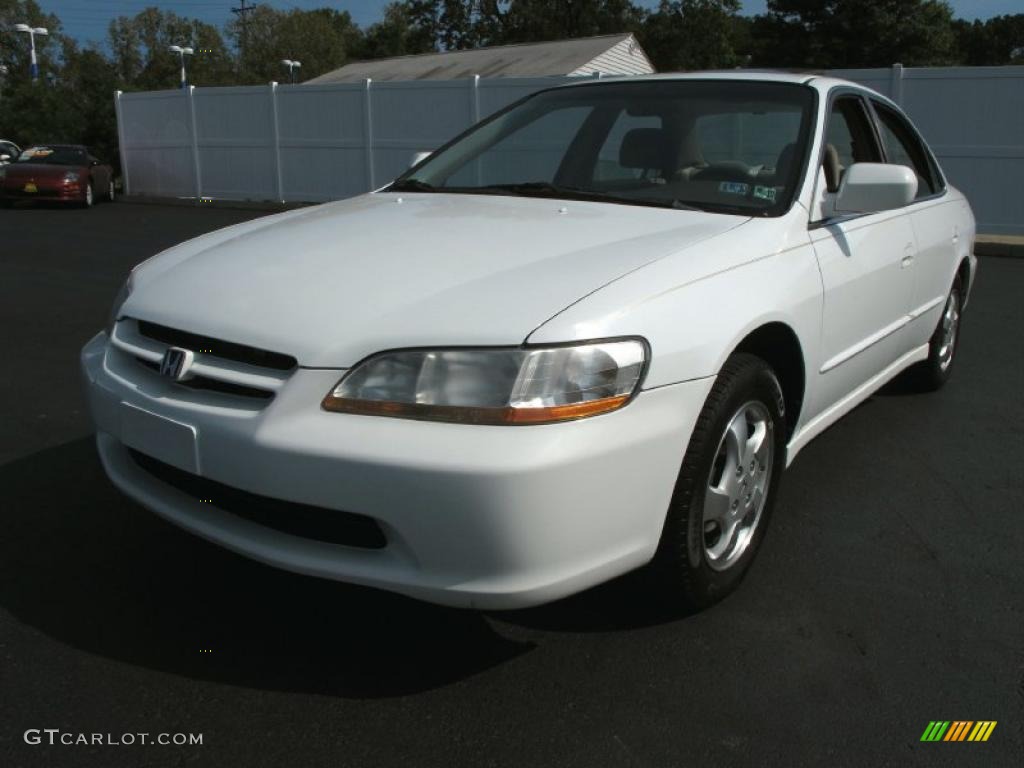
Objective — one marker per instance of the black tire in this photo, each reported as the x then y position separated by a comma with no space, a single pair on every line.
682,564
932,374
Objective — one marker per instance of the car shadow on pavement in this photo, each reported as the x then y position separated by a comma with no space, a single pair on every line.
89,568
633,601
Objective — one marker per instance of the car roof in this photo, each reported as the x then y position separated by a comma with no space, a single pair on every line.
816,80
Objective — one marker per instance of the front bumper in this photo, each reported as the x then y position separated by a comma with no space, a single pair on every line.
482,517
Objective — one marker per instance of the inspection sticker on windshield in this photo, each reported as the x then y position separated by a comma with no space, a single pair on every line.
765,193
734,188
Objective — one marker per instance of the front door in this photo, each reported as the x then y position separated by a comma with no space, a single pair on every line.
866,265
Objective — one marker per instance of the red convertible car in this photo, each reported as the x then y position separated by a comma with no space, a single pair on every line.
57,173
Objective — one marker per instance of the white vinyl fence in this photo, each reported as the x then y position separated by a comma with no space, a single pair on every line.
324,142
296,142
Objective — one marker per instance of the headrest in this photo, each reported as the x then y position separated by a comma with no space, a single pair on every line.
644,148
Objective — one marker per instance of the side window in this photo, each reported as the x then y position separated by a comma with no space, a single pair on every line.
849,133
902,147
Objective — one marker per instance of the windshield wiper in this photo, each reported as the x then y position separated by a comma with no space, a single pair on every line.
540,188
546,189
413,185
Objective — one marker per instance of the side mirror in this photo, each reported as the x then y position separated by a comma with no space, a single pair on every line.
419,157
874,187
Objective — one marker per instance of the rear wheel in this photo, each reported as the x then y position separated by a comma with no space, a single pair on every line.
933,373
726,486
110,191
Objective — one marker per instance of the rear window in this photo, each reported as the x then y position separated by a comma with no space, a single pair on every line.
53,156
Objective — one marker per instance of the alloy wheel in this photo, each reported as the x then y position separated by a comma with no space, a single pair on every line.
950,326
738,485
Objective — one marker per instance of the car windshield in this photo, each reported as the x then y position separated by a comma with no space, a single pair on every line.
723,146
53,156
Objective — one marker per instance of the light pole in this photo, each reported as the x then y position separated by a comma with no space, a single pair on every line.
292,66
32,32
182,52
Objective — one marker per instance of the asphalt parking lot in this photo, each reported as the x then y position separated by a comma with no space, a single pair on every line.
889,592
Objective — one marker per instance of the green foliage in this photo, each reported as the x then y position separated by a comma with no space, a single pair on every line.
997,41
695,34
397,34
322,40
138,50
836,34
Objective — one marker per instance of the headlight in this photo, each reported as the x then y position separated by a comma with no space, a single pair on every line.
119,300
537,385
71,176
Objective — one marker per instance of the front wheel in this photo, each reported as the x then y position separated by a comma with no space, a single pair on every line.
87,198
726,486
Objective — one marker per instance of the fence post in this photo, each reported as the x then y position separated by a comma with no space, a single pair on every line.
896,84
195,143
121,139
368,132
279,184
474,118
474,99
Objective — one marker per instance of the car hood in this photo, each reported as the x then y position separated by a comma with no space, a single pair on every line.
335,283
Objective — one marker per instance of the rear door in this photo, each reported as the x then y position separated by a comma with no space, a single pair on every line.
865,263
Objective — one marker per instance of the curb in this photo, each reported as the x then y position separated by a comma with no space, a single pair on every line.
1001,247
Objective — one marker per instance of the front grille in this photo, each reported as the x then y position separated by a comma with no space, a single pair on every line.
304,520
225,349
212,385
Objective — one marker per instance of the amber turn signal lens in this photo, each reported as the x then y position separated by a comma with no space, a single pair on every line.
462,415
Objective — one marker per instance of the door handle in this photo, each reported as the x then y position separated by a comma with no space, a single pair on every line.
908,257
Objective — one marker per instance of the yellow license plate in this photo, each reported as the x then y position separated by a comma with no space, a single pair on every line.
30,187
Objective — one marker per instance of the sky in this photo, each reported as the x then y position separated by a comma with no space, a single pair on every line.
87,20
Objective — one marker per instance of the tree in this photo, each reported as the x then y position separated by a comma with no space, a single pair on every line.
323,39
834,34
998,41
139,50
694,34
533,20
396,34
14,46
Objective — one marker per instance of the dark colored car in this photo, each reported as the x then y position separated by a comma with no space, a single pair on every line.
57,173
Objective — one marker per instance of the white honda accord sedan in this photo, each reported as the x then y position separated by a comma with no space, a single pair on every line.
585,336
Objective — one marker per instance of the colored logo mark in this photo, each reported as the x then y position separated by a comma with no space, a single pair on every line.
958,730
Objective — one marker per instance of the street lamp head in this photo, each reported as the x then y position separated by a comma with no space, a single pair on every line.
175,49
187,51
41,31
22,28
288,62
296,63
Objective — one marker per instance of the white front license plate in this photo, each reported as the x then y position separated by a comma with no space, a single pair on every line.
164,439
